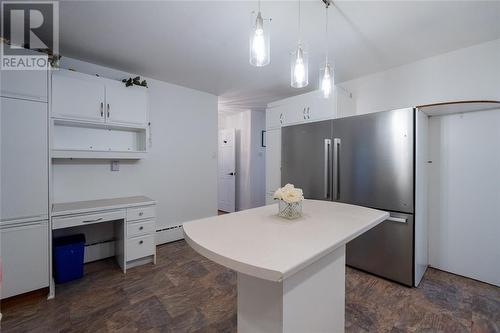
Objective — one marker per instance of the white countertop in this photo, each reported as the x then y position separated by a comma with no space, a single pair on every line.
259,243
77,207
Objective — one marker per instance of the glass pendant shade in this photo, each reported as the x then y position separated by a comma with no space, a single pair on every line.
326,80
299,68
259,42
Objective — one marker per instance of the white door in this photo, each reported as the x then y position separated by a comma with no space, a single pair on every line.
227,169
77,96
126,105
24,172
25,257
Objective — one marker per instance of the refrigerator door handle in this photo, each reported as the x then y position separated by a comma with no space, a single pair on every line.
397,219
327,164
336,168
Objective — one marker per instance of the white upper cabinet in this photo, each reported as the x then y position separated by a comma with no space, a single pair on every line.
126,105
25,84
77,96
274,117
309,107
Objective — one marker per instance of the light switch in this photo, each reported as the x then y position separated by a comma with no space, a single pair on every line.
115,166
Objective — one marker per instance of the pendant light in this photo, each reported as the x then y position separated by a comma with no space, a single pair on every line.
326,72
259,41
299,70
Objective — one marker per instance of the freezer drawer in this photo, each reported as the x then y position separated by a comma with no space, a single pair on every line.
25,257
386,250
373,160
306,157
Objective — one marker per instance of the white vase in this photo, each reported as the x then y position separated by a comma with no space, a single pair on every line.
290,210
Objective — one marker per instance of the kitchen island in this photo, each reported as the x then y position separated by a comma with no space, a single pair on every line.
291,273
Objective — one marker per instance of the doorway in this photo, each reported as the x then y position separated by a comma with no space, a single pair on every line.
227,170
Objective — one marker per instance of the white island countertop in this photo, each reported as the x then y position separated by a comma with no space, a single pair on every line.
261,244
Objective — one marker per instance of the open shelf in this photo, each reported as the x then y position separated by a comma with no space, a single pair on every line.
118,155
79,139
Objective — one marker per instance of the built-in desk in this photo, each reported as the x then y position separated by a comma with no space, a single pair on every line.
134,226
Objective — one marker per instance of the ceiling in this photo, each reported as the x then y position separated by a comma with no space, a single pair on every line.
204,44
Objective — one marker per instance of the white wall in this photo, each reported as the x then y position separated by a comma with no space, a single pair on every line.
180,170
464,201
250,156
468,74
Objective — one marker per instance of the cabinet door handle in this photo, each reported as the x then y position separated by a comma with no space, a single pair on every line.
140,242
108,109
141,213
141,227
102,111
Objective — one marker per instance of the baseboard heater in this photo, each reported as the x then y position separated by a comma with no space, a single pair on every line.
106,248
169,234
99,250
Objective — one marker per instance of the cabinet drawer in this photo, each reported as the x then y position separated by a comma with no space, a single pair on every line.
139,247
71,221
140,213
141,228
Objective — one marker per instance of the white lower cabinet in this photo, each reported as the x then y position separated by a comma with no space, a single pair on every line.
25,257
140,247
140,234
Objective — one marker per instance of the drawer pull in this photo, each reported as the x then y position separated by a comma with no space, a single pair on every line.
89,221
141,213
140,242
141,227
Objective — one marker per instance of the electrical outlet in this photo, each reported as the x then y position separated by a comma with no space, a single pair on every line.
115,166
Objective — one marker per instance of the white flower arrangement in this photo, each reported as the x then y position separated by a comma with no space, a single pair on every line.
289,194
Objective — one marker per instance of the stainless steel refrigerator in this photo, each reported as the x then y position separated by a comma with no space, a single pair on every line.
365,160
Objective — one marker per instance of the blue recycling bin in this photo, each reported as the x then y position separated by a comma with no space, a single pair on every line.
68,254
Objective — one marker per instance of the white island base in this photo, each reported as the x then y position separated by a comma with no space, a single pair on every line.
291,274
311,300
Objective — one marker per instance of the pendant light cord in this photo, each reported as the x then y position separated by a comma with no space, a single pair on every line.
326,34
259,5
300,32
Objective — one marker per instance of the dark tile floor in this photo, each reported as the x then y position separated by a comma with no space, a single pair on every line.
185,292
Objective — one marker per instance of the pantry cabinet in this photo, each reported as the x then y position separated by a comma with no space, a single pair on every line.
24,159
